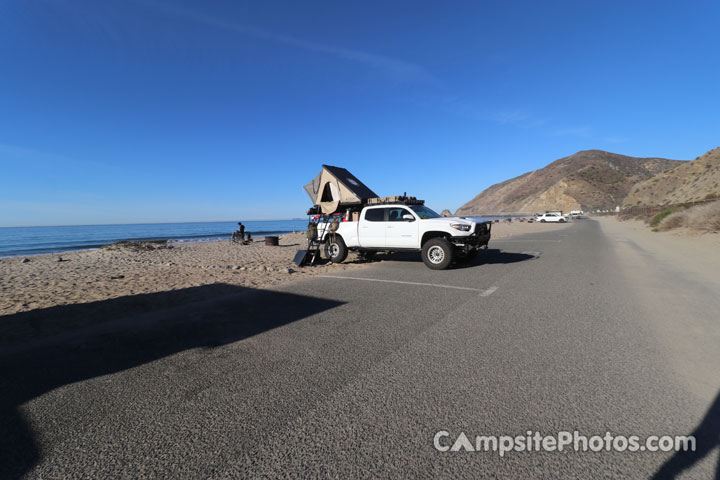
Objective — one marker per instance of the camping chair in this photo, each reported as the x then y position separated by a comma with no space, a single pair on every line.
237,237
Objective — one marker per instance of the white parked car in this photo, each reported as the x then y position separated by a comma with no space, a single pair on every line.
551,217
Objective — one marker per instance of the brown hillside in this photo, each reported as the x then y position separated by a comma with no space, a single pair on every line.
689,182
587,180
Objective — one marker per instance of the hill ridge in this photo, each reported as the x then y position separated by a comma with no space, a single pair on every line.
691,181
589,179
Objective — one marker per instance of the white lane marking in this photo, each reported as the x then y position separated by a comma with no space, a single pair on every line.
502,240
488,292
409,283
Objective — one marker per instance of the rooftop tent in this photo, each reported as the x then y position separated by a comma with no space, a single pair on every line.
335,186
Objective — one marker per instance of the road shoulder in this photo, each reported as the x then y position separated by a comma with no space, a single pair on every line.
676,279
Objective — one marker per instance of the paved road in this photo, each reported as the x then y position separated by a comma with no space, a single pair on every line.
353,377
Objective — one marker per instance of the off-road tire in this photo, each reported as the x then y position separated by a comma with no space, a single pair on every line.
542,221
438,253
562,221
336,251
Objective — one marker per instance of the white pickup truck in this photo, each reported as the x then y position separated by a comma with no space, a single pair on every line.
401,227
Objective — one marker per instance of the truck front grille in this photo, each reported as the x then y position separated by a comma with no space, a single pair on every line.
481,229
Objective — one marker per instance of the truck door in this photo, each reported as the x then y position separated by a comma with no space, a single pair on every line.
401,232
372,227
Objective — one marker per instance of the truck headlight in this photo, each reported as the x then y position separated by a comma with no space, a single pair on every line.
460,226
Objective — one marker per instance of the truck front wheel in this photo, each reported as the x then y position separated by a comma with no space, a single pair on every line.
336,250
438,253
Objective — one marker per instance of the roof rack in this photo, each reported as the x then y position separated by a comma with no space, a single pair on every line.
397,199
404,199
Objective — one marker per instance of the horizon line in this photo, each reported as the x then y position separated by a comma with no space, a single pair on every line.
147,223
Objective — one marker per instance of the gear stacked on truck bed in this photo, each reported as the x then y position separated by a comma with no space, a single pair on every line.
404,199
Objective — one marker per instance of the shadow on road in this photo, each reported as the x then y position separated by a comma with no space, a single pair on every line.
118,334
484,257
495,256
707,438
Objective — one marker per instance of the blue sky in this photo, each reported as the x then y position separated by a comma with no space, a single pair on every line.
156,111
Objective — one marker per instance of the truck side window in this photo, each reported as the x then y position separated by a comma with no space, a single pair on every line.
375,214
396,214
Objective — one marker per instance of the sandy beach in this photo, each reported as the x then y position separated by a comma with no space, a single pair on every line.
90,276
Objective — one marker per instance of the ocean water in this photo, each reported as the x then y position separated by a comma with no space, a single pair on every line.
493,218
16,241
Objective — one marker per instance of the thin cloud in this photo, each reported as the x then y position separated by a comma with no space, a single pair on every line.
30,156
518,118
572,132
398,70
512,117
616,139
16,151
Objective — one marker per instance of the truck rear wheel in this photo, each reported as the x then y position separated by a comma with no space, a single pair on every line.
438,253
336,250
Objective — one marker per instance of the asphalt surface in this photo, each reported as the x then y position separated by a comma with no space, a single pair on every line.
353,377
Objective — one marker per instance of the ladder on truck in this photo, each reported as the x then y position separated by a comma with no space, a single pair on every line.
310,256
313,251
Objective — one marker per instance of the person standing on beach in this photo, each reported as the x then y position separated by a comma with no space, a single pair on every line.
241,229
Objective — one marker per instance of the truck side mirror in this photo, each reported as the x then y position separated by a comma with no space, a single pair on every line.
408,218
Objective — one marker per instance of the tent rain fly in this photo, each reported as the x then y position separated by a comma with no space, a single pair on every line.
335,186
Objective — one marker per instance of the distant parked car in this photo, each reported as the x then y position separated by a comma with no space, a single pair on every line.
550,217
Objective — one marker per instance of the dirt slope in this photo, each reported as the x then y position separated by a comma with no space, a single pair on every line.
587,180
688,182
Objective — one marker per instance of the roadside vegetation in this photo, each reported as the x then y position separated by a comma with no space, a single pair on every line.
701,218
657,219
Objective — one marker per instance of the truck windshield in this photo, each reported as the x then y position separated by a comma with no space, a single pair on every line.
424,212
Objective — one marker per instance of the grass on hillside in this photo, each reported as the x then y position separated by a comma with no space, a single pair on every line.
701,218
655,221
